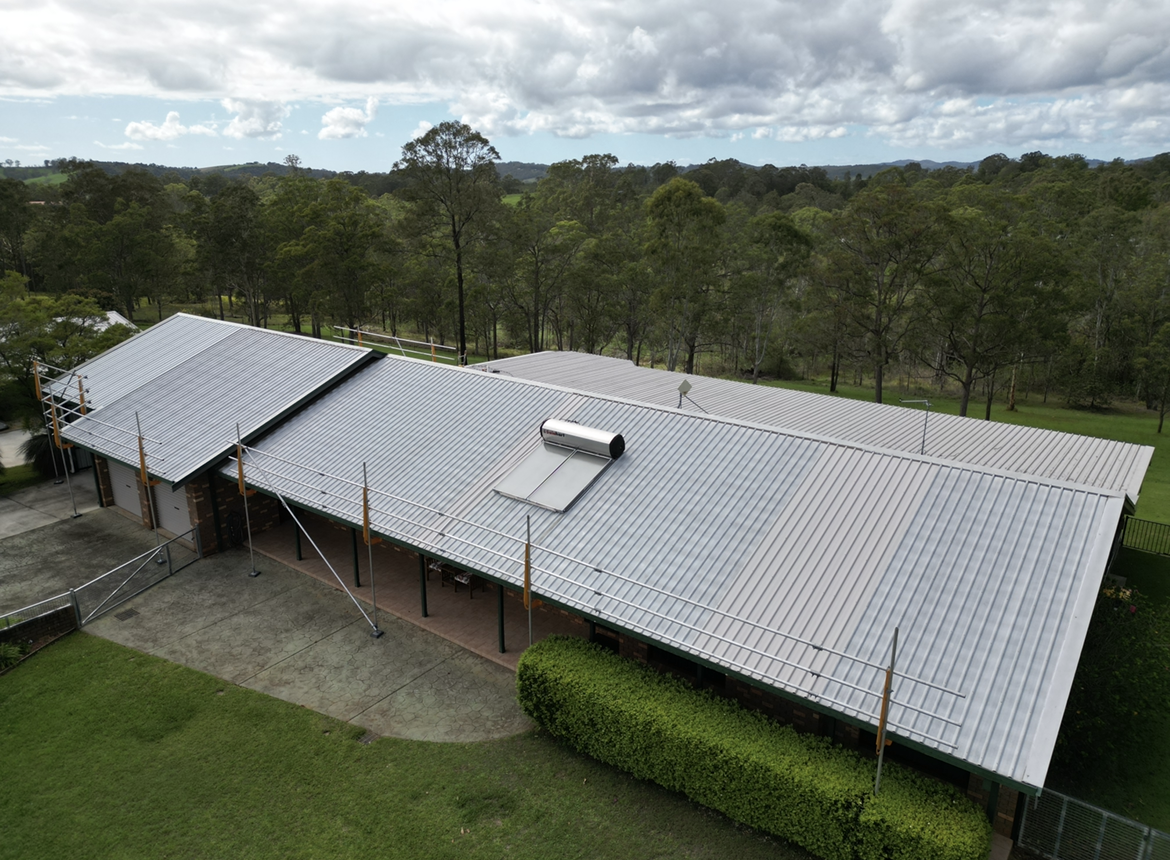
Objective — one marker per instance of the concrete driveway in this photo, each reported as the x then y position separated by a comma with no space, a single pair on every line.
44,503
281,633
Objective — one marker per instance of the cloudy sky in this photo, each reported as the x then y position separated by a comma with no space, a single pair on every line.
344,84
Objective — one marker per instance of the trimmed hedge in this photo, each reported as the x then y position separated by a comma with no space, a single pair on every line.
799,787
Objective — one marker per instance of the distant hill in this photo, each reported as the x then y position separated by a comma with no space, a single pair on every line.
528,173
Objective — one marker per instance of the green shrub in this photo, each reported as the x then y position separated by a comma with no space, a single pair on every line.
10,654
801,788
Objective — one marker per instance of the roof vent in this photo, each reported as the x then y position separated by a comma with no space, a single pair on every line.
570,458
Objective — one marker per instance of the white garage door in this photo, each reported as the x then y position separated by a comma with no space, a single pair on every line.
124,481
172,508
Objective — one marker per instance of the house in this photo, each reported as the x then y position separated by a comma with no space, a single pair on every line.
770,563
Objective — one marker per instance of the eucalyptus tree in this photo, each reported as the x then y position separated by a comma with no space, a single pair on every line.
773,253
452,174
685,244
994,291
16,217
232,247
884,246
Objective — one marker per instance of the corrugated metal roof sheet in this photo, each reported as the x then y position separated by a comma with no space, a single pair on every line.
190,380
783,558
1102,463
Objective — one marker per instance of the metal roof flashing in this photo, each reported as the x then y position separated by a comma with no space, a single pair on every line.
787,535
1008,448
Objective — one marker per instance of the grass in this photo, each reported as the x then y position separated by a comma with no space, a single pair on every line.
111,753
1137,785
18,478
49,179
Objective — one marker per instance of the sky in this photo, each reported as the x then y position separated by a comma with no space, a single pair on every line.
344,84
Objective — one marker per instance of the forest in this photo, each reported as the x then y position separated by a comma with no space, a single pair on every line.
1041,274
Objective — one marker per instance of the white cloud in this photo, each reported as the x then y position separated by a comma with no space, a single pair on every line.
423,128
8,139
342,122
169,130
255,118
126,145
797,69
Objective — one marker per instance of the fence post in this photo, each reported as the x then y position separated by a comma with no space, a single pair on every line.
1060,826
76,607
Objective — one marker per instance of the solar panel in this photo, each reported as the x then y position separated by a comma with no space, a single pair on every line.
552,476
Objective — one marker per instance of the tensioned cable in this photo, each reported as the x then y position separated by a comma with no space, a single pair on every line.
317,491
340,582
444,533
736,663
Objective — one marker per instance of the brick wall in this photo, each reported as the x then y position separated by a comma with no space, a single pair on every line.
43,629
105,487
778,708
263,511
979,790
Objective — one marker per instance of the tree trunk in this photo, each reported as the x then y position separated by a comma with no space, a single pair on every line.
965,390
878,372
459,287
990,396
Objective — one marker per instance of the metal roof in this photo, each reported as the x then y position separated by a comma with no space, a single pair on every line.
191,380
1102,463
782,557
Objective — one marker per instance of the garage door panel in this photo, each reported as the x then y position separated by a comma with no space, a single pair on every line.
124,483
171,504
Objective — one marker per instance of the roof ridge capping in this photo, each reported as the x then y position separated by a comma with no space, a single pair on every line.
302,338
1136,469
1039,480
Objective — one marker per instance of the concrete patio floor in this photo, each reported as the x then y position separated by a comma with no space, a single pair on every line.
283,633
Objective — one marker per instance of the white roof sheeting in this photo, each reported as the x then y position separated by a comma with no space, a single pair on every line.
1102,463
190,380
783,557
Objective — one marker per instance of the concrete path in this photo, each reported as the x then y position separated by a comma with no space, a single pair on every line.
44,503
281,633
40,562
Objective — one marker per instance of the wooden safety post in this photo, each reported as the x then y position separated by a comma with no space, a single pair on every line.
887,689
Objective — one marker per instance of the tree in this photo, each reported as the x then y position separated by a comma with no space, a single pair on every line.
15,219
885,244
685,243
776,250
987,300
451,171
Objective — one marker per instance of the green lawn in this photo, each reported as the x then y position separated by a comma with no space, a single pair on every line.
1138,784
110,753
18,478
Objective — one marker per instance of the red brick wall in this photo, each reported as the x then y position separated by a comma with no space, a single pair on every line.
43,629
263,511
1005,808
105,487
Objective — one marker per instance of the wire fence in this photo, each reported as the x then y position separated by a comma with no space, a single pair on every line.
114,587
1060,827
1146,535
